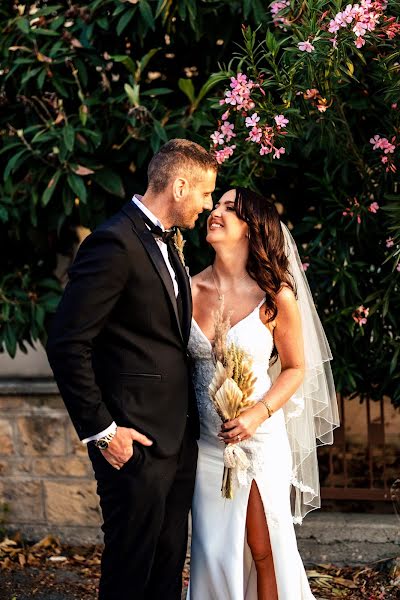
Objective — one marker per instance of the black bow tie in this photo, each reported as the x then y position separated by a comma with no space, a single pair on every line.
165,235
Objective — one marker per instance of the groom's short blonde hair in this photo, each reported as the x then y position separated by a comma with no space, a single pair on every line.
179,158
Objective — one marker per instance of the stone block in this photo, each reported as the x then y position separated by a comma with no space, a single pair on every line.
6,438
15,465
23,498
5,467
22,465
74,443
26,403
10,404
68,466
42,435
72,503
54,402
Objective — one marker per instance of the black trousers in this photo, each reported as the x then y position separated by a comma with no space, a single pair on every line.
145,508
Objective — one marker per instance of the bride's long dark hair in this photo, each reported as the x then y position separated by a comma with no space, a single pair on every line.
267,263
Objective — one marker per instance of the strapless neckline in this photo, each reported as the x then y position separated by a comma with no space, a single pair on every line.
231,329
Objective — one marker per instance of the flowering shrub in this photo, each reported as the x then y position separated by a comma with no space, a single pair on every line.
312,111
89,91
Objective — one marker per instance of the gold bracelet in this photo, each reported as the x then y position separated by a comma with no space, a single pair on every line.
268,407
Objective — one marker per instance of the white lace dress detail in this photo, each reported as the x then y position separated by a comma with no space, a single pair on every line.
221,563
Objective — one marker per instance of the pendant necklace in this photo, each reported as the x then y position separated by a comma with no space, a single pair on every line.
220,295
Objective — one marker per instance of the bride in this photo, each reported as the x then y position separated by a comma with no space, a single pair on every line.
245,547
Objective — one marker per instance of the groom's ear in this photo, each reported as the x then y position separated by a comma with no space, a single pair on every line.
180,188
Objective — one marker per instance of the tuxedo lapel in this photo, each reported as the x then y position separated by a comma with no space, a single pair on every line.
185,291
154,253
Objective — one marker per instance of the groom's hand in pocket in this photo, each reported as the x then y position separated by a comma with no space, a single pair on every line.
120,449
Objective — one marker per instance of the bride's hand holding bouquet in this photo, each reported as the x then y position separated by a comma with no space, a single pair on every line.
244,426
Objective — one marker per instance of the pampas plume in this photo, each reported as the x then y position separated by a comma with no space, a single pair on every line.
232,384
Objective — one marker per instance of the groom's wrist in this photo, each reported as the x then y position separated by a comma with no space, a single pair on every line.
110,429
104,442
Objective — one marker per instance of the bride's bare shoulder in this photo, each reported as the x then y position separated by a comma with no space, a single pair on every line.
201,280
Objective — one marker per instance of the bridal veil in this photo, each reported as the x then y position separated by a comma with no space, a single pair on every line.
311,414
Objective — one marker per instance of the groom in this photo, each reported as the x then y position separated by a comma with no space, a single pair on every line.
117,347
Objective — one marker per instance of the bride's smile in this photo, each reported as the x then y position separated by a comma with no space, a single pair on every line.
224,217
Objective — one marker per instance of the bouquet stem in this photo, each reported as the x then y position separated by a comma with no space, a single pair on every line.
227,489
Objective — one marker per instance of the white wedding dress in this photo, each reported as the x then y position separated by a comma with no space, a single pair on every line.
222,567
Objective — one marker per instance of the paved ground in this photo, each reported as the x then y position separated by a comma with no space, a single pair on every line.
49,570
71,582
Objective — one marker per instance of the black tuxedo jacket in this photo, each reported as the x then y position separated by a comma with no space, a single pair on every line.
117,345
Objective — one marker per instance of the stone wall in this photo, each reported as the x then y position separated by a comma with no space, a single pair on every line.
47,485
46,480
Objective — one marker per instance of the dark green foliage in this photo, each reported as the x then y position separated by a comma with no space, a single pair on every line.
330,168
90,92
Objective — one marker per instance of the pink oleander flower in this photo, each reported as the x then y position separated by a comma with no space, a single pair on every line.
231,97
362,17
310,94
389,242
398,267
255,135
253,120
374,207
223,154
278,152
334,41
265,149
239,96
349,212
360,315
305,46
305,266
375,141
333,26
388,147
381,143
217,138
241,78
225,116
391,27
322,105
360,29
394,105
276,8
281,121
227,130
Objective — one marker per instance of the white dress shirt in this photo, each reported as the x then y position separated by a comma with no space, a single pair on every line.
161,244
164,251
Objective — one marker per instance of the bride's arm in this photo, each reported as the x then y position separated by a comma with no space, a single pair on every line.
289,344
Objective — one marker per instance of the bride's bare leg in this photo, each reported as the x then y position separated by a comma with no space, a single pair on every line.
260,546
